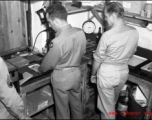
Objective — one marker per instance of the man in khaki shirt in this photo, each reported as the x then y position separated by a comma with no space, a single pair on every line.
64,59
110,66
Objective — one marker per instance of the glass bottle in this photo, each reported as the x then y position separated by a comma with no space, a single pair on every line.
98,36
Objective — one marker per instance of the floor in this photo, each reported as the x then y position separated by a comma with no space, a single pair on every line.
91,111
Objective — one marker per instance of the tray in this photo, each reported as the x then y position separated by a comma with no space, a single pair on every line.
136,60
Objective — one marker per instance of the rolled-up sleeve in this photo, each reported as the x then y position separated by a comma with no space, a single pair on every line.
99,55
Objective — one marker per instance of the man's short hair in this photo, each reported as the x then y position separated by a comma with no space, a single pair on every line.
114,7
57,11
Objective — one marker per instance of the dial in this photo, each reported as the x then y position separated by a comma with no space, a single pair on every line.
88,27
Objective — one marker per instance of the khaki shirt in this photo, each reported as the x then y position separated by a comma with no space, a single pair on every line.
117,45
67,51
10,100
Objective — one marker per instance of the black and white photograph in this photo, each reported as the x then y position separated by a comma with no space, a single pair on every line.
76,59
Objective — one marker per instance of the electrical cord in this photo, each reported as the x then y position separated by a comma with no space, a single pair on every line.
48,29
36,40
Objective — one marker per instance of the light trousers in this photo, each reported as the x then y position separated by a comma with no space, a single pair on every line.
110,81
67,93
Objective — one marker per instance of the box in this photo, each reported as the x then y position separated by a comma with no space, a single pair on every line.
133,6
39,100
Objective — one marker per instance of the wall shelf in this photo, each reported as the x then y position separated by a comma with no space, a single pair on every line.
133,15
137,16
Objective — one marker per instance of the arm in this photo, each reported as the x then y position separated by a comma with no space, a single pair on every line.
8,94
95,67
99,55
136,45
51,59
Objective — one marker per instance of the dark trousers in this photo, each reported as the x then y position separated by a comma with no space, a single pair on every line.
67,93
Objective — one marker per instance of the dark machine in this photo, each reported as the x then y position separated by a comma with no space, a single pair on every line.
50,32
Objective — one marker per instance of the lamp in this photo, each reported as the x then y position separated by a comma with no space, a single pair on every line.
42,15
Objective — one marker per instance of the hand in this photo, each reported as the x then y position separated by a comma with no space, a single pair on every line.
28,118
93,79
25,117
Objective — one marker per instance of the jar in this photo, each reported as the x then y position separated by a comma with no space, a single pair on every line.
148,10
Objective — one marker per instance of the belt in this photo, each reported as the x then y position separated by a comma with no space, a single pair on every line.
68,68
115,64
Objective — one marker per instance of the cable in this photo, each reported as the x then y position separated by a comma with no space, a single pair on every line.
48,29
36,40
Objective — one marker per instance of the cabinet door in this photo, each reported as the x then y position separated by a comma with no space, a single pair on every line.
13,30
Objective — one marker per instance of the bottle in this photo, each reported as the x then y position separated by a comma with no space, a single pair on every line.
98,36
123,105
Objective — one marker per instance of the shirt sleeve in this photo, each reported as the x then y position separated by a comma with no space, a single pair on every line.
8,94
136,45
51,59
137,38
99,54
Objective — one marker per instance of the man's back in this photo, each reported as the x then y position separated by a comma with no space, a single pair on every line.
72,44
121,43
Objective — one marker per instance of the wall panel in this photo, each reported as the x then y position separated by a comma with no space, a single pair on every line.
13,30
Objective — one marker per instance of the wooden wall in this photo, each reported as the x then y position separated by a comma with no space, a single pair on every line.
13,28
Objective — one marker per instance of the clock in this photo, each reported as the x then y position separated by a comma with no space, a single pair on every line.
88,26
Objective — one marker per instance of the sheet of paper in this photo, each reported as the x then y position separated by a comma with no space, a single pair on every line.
34,67
26,77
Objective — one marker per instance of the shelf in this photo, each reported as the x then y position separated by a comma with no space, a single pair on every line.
31,114
137,16
133,15
74,10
